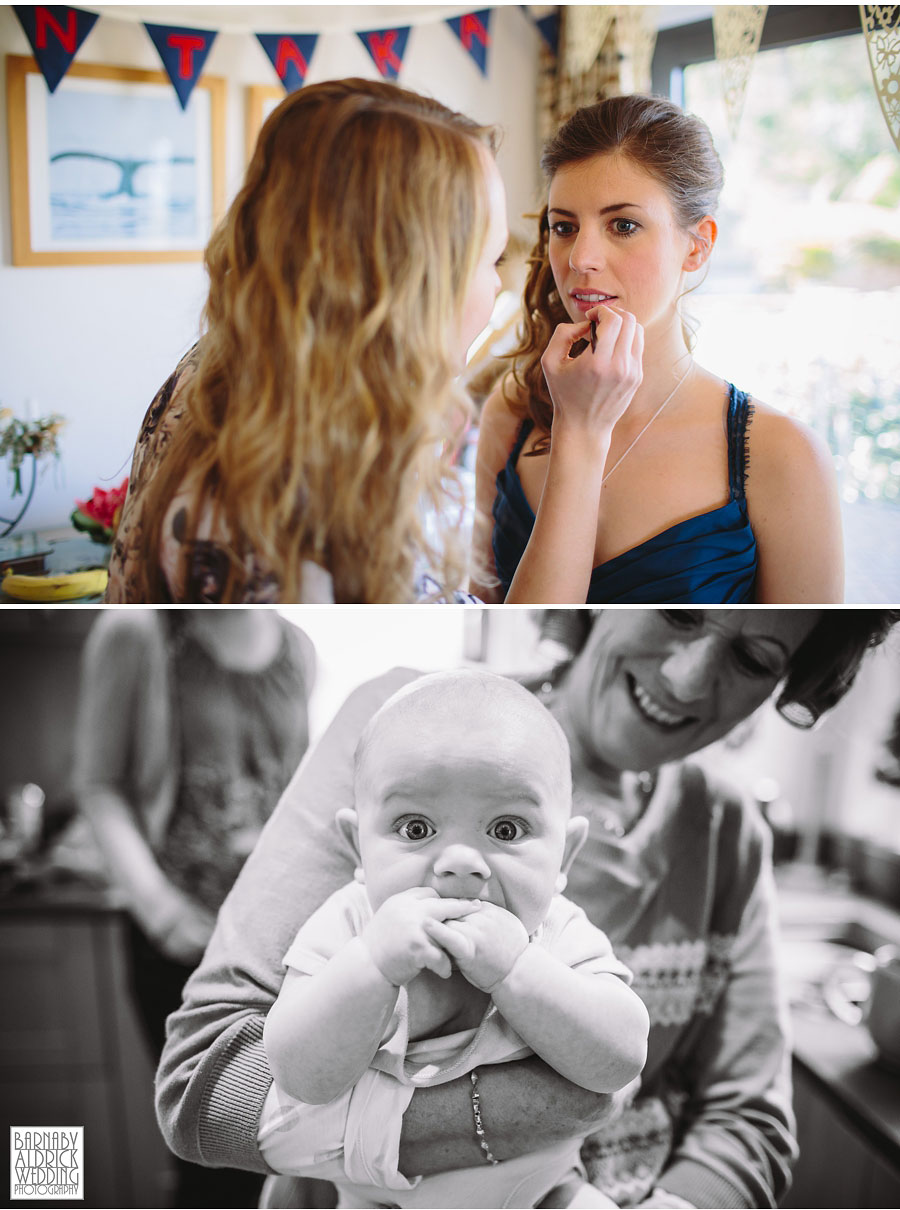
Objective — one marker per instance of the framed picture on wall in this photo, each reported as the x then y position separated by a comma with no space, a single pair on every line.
109,169
261,100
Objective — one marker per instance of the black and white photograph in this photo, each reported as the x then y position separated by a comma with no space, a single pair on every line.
455,906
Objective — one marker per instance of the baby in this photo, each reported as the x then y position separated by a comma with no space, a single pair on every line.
453,949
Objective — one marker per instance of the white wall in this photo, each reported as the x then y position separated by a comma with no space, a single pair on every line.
95,343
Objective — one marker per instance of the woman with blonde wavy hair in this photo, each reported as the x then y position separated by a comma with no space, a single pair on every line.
294,452
628,473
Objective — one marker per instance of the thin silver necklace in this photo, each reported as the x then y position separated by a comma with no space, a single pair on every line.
667,400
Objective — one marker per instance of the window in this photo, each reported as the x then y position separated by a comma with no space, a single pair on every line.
801,301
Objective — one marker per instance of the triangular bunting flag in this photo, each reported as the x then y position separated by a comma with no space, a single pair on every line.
549,30
881,25
56,33
737,29
472,29
290,55
183,53
387,48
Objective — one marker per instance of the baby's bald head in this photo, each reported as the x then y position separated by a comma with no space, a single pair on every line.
468,717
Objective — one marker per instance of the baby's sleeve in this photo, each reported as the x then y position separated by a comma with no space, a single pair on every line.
296,1138
341,917
571,937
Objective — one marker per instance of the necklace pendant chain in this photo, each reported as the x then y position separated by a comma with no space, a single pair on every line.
668,399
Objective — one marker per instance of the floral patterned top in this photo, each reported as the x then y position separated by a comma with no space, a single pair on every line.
208,566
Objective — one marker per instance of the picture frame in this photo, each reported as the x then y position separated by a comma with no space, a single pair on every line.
261,100
109,169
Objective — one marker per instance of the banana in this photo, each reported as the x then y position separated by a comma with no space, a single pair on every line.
68,587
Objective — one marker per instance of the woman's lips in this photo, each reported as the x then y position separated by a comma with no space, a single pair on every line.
586,300
653,710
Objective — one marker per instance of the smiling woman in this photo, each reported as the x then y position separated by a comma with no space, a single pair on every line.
660,684
709,507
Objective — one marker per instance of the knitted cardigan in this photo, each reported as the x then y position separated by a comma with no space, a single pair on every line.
686,898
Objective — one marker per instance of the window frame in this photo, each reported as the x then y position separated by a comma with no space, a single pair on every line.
785,25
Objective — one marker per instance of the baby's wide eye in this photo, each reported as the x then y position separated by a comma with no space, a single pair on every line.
415,829
507,830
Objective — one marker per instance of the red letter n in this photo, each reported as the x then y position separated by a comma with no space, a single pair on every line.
44,19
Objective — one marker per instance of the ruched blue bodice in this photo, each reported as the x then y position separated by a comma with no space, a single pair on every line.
709,559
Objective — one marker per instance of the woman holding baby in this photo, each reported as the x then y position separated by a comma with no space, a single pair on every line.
675,871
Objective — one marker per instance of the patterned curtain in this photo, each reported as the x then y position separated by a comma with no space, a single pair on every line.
587,68
604,50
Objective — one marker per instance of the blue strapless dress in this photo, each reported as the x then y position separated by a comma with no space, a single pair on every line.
710,559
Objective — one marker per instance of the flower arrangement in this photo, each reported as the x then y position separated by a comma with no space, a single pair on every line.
18,438
99,516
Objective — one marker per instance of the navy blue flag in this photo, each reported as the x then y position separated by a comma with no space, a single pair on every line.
549,28
183,53
290,55
473,31
387,48
56,33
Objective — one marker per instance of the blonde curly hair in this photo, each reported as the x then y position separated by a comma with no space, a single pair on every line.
322,415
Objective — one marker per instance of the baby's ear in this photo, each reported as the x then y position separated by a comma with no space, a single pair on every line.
576,834
348,825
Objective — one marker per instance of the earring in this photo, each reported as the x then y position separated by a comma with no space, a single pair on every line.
561,883
359,874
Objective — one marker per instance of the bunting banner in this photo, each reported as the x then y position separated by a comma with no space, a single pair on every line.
387,48
183,53
56,33
737,29
881,25
473,31
548,27
290,55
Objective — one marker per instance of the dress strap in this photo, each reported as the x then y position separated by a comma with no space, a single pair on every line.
740,414
521,437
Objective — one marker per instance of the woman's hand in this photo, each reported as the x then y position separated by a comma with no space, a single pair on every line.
181,928
590,392
526,1105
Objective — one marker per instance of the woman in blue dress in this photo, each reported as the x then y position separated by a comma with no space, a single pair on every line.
661,482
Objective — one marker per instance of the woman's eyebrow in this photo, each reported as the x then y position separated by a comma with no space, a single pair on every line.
604,210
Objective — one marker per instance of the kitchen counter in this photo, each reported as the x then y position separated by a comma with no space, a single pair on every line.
55,894
71,1048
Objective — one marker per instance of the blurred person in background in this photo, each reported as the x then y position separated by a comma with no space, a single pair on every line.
190,725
